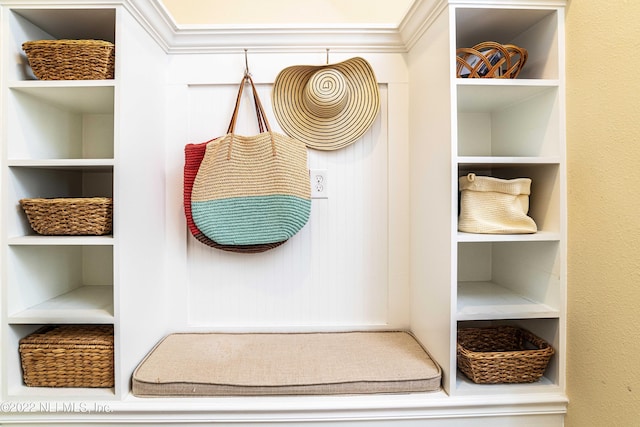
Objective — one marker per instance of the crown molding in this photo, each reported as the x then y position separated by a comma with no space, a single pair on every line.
175,38
190,39
420,16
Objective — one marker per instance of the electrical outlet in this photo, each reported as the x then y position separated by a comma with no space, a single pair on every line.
319,184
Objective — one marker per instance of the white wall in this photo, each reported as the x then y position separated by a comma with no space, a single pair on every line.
347,268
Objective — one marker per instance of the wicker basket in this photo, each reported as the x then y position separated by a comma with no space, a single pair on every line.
70,216
71,59
68,356
502,354
490,60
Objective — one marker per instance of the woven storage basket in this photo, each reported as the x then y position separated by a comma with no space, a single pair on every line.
68,356
502,354
71,59
70,216
490,60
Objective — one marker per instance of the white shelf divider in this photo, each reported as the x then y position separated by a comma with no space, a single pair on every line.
38,240
540,236
497,94
490,301
507,160
86,304
464,386
89,164
95,97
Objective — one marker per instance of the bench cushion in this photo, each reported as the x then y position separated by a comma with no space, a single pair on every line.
244,364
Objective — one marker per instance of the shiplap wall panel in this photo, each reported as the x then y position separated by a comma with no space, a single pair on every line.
334,272
348,267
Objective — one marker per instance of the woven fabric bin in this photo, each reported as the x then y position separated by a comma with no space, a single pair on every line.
70,216
490,60
68,356
502,354
71,59
495,206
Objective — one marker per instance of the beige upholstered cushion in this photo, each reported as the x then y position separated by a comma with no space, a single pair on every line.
222,364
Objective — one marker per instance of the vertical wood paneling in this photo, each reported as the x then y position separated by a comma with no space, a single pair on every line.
333,273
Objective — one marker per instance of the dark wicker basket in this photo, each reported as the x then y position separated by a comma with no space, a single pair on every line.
68,356
490,60
70,216
502,354
71,59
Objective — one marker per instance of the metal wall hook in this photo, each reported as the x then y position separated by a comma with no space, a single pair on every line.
246,63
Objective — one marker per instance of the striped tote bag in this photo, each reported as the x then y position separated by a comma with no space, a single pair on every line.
251,190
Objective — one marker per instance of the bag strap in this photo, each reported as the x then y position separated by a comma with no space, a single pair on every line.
263,123
258,105
234,116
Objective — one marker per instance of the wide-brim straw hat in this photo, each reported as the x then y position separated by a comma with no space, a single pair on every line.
327,106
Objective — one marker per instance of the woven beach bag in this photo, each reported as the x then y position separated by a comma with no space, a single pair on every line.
495,206
193,155
252,190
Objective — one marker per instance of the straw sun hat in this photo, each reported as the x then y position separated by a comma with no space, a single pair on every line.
327,106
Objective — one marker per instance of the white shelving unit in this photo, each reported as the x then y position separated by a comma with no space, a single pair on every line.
118,138
517,279
509,129
63,139
58,142
506,128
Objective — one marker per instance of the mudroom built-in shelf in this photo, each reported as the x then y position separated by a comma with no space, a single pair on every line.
382,252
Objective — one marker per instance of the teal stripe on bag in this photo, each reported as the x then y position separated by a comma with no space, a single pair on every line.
251,220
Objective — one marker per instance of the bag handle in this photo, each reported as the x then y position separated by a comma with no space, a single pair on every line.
263,123
234,116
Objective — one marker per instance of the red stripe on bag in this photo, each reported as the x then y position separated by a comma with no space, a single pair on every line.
193,155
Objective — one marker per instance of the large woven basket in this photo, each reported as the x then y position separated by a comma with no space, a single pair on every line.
490,60
502,354
70,216
71,59
68,356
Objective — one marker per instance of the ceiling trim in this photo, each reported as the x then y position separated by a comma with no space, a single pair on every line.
418,19
175,38
222,39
